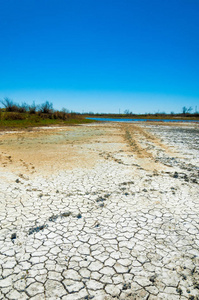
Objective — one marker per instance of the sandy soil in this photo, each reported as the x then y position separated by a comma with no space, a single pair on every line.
48,150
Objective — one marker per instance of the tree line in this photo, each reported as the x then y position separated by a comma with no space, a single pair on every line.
14,111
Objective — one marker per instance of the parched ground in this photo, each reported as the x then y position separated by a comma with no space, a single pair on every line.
103,211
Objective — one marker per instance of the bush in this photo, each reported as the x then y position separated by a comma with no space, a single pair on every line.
13,116
9,105
46,108
61,115
32,108
23,108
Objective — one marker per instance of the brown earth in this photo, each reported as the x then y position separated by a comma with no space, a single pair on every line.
48,150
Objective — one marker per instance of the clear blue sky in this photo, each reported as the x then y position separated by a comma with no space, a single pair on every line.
101,56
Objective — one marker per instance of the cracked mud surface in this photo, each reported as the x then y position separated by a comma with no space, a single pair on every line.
106,211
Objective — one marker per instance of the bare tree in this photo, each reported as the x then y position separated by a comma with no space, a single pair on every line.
9,104
32,108
186,110
189,109
23,108
65,110
46,108
128,112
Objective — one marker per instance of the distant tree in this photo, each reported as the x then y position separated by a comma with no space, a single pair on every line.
46,108
23,108
189,109
9,105
184,110
128,112
73,113
32,108
65,110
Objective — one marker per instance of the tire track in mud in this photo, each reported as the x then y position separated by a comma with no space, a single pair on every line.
144,146
135,145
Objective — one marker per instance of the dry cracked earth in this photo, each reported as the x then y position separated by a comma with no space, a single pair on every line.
103,211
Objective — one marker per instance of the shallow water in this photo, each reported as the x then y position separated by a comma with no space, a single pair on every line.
140,120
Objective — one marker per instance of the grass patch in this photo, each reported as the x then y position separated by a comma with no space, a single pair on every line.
14,120
15,116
